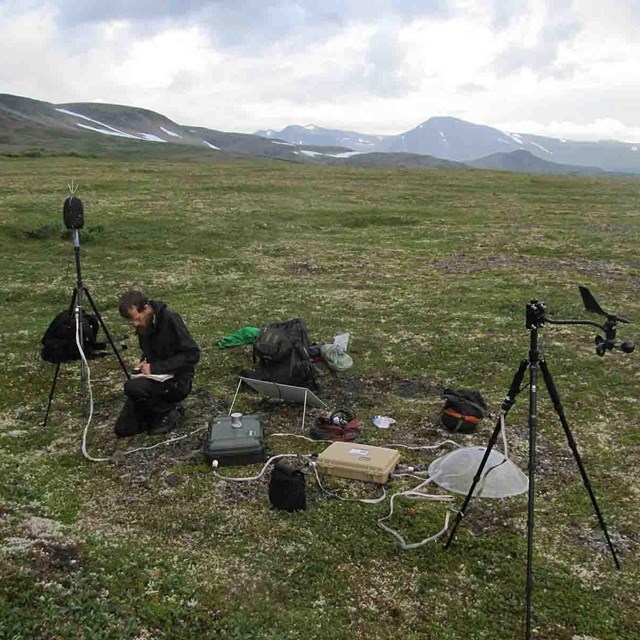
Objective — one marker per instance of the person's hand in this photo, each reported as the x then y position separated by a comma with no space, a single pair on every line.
145,368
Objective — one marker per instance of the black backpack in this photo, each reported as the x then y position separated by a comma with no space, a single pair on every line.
281,354
59,340
287,488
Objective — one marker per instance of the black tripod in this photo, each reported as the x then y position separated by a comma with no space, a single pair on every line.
535,318
74,220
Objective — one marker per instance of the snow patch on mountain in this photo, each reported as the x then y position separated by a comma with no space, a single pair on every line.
535,144
171,133
212,146
345,154
150,137
514,136
116,132
107,132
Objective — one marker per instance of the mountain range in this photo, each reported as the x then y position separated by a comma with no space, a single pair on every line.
29,126
460,141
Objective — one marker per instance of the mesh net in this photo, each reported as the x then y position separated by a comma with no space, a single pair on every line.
500,478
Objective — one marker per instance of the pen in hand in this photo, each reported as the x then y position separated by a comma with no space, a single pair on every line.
142,367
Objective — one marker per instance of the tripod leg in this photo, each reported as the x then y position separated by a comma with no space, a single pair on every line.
79,337
74,295
557,405
55,375
533,424
507,403
53,388
106,332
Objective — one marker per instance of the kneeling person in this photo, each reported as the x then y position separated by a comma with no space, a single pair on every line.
167,348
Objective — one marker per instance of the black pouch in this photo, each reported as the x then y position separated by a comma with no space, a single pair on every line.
59,341
463,410
287,488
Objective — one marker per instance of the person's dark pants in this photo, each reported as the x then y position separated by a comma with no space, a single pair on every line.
147,403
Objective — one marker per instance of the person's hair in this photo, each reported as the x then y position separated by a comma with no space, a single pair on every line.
132,298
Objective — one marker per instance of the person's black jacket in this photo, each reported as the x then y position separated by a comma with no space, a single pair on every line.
168,346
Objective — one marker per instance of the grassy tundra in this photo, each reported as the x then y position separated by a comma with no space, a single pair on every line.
430,272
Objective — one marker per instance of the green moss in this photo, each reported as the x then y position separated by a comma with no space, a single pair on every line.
430,273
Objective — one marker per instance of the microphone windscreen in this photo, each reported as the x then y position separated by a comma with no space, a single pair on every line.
73,213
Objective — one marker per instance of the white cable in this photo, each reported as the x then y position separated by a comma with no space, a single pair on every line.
215,464
409,475
418,447
85,431
335,495
295,435
153,446
393,444
85,452
415,494
504,434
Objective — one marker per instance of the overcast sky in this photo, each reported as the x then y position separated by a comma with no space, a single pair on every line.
566,68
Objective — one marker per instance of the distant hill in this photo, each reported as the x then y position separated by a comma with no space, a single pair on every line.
33,127
409,160
525,162
90,127
460,141
310,134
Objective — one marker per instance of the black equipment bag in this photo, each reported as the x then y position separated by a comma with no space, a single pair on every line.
59,340
287,488
463,410
281,354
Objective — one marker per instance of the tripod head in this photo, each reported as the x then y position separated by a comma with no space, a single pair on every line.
535,314
536,317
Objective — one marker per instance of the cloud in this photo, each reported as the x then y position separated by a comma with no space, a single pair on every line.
246,24
23,45
342,11
504,13
376,66
471,87
382,72
543,53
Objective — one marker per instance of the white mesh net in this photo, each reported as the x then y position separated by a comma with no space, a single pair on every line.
500,478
